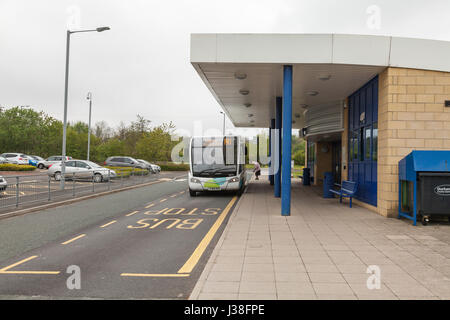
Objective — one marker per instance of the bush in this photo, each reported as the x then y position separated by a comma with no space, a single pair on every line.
170,166
299,157
16,167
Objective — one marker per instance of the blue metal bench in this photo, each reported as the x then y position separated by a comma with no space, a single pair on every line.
347,190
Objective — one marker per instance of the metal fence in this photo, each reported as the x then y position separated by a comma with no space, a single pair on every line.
17,191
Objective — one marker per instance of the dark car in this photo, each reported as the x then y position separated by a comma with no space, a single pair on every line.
123,161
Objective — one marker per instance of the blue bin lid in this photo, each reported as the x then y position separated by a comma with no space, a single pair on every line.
424,161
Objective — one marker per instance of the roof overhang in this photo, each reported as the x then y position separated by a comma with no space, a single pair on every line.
348,60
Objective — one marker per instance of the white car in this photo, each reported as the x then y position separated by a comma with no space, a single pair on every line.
16,158
3,160
50,161
3,184
82,169
156,168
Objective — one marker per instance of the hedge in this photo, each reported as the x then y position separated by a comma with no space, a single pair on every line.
128,171
16,167
170,166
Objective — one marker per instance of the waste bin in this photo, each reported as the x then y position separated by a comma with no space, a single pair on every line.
306,176
328,182
424,185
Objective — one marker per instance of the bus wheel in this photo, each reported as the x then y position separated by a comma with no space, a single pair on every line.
192,193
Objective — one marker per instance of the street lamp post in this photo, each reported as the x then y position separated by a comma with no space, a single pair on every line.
66,86
89,97
223,122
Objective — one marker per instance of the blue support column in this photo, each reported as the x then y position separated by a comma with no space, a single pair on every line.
287,137
271,143
277,148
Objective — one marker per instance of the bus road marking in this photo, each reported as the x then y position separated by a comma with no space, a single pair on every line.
131,213
107,224
5,270
198,252
73,239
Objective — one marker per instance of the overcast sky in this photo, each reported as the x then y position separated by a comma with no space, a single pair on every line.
142,65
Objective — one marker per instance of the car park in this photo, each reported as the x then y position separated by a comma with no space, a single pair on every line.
3,184
16,158
82,169
123,161
50,161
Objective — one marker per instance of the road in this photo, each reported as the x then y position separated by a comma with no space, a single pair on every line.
147,243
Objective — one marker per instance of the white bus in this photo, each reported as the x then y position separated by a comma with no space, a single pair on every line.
217,164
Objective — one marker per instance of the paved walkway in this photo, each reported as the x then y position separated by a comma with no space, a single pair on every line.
322,251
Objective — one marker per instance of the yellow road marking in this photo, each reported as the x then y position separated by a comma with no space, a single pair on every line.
107,224
182,192
162,200
29,272
195,257
176,275
173,196
149,206
17,263
5,269
131,213
73,239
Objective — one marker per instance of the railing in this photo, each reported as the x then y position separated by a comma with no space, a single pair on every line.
42,188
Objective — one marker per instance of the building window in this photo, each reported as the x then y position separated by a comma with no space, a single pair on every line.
375,142
367,136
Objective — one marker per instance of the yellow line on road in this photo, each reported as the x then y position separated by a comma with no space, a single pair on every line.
73,239
176,275
17,263
107,224
173,196
29,272
196,255
4,270
162,200
131,213
149,206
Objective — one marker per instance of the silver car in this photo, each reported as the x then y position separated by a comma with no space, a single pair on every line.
82,169
150,166
3,184
3,160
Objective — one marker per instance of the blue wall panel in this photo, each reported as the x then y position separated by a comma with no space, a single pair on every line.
363,114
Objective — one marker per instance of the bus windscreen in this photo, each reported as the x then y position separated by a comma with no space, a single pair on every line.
214,157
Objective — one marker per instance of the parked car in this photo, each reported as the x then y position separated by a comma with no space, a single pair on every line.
3,184
122,161
82,169
3,160
33,160
150,166
16,158
50,161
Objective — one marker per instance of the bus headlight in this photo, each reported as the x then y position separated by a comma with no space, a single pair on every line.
235,179
193,180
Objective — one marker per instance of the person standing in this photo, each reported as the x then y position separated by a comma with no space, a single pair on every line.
257,169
